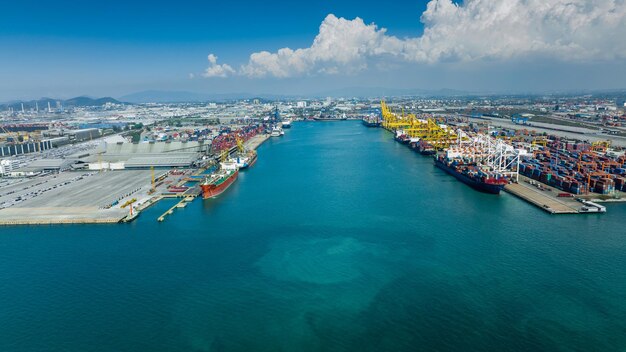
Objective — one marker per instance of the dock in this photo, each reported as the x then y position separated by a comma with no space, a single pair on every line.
545,197
187,197
170,211
73,198
64,215
254,142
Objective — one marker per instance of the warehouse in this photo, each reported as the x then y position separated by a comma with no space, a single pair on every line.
24,148
84,134
119,156
43,166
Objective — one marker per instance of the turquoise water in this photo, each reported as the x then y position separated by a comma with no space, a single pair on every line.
338,239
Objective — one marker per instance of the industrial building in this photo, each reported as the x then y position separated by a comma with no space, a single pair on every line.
74,135
8,165
84,134
120,155
43,166
59,141
24,148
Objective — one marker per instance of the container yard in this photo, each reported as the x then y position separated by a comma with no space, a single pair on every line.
556,174
578,168
116,182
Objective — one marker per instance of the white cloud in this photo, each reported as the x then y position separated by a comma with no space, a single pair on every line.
477,30
216,70
341,45
568,30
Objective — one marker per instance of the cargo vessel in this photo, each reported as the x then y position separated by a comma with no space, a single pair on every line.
402,137
277,132
371,121
246,160
216,183
252,157
471,175
323,117
425,148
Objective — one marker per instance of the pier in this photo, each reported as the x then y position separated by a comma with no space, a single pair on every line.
542,201
170,211
544,197
254,142
65,215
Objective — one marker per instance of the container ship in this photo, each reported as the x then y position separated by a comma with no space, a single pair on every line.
425,148
219,181
371,121
402,137
323,117
471,175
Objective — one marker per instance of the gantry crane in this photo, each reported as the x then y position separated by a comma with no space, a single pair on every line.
600,146
425,129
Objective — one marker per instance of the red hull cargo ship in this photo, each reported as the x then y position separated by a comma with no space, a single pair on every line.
218,182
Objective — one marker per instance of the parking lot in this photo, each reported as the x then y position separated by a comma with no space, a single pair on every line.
69,195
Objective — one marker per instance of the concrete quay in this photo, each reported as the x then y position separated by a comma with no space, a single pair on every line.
545,197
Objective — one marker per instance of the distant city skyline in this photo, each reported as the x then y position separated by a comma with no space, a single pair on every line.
60,50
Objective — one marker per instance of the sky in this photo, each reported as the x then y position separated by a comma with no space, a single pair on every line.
63,49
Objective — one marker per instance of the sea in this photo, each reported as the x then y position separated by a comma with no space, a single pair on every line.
338,239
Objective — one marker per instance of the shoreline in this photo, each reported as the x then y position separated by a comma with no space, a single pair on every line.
29,216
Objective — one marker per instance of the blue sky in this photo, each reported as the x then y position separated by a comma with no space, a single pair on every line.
69,48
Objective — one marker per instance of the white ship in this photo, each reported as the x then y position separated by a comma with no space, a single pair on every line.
277,132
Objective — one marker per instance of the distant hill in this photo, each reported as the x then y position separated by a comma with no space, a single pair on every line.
43,103
87,101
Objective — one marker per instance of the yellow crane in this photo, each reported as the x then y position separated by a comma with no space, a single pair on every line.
600,146
224,156
128,202
240,145
14,135
539,141
426,129
391,120
438,136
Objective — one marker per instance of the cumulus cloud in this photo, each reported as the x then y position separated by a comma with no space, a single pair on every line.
217,70
565,30
341,45
568,30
